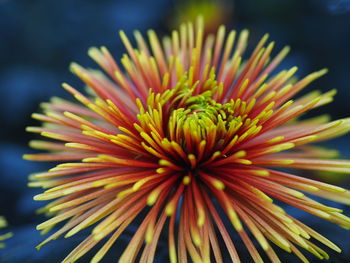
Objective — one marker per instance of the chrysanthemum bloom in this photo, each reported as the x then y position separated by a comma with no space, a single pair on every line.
3,237
190,137
214,13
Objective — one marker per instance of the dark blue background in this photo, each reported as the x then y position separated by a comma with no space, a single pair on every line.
39,38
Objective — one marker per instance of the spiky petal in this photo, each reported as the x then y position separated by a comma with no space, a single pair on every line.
3,224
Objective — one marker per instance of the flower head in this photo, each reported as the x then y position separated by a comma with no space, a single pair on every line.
214,13
188,137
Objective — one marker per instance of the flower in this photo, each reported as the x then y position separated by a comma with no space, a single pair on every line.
191,139
214,13
3,237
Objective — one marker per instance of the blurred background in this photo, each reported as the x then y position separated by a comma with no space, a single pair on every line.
40,38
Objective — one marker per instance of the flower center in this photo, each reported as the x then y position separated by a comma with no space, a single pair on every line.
202,119
186,127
